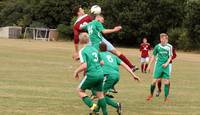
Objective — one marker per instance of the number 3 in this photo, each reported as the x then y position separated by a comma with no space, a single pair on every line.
95,57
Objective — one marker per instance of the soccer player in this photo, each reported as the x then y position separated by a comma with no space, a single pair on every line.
163,54
159,84
96,30
110,67
82,19
144,50
90,60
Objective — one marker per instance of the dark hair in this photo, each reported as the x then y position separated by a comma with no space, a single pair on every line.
102,47
76,9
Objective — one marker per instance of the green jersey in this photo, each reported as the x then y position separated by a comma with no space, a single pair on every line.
90,56
94,29
111,63
162,53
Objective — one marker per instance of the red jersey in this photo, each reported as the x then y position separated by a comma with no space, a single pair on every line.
144,48
174,54
80,21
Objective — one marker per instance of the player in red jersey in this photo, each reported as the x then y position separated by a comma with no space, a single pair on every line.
144,50
159,83
82,19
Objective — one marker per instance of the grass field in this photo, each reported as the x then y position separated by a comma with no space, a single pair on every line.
36,79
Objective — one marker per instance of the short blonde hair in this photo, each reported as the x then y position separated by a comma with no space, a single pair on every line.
163,35
84,37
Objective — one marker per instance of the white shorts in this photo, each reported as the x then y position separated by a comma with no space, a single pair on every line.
170,69
145,60
110,47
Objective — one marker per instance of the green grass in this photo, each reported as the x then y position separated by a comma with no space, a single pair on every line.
36,79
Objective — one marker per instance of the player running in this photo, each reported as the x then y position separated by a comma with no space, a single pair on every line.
110,67
159,83
90,60
144,50
96,30
163,54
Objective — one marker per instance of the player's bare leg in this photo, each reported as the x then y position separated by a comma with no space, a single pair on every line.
124,59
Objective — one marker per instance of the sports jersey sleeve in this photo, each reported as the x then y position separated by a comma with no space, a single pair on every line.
170,52
118,60
82,56
99,26
149,47
140,47
155,50
76,36
84,27
174,53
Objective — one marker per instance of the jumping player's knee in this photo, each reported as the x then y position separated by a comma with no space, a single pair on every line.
116,52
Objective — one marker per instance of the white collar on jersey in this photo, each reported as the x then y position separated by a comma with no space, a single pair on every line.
81,17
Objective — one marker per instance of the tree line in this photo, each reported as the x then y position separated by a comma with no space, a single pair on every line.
139,18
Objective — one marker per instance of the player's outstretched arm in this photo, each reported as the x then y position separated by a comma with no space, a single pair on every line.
130,71
81,68
115,29
151,61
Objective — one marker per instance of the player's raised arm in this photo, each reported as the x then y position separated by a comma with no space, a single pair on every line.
130,71
115,29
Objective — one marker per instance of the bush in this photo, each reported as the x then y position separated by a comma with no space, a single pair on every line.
65,32
178,37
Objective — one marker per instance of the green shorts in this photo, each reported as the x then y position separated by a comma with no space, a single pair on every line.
110,81
160,72
92,82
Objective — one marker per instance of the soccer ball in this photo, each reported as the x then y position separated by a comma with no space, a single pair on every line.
95,9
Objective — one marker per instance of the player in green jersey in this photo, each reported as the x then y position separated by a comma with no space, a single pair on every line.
90,61
163,54
96,30
110,67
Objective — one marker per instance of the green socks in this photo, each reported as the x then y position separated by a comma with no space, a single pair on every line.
102,104
87,101
152,89
166,89
111,102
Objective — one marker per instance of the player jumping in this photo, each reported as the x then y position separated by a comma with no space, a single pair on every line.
93,79
110,67
83,19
